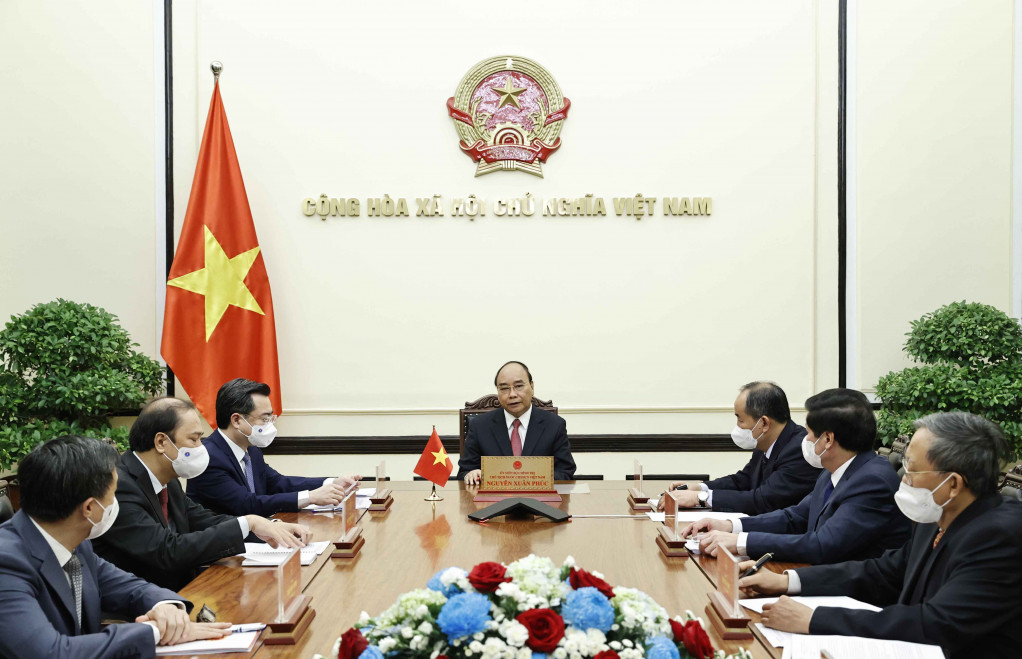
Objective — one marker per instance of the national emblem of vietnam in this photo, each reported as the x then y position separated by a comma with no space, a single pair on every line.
508,113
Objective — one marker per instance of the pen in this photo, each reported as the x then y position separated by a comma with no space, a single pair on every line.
683,486
760,563
253,627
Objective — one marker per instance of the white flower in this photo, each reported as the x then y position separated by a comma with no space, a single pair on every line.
476,646
418,642
479,636
425,628
387,644
615,645
560,653
407,632
422,611
569,561
515,632
363,618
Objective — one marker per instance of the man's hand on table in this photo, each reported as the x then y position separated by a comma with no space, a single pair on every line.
764,582
172,622
473,477
330,494
344,481
706,525
710,542
786,615
280,534
689,498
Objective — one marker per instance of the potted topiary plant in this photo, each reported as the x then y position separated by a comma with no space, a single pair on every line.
66,368
971,360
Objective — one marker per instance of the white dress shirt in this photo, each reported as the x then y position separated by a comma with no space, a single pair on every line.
736,524
509,419
239,454
704,488
63,556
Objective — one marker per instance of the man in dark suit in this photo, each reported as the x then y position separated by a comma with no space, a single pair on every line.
850,514
516,429
776,476
956,583
53,588
238,481
160,534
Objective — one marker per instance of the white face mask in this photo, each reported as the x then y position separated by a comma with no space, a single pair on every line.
105,522
190,462
262,436
917,503
743,439
809,452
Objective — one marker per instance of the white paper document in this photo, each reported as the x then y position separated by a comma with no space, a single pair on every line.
803,646
366,492
774,637
236,642
756,604
657,517
571,488
260,554
362,502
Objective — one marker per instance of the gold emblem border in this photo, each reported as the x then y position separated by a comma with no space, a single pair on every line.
491,65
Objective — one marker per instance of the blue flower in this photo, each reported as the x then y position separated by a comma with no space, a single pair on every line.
371,652
464,615
588,608
659,647
436,584
538,655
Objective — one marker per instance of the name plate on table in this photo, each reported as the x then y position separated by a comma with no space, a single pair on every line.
637,499
382,500
517,476
351,539
669,535
724,611
293,611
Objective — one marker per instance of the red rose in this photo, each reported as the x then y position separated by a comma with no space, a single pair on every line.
352,644
580,579
678,629
696,641
607,654
486,577
545,627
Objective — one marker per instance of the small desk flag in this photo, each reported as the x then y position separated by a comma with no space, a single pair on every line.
218,323
434,465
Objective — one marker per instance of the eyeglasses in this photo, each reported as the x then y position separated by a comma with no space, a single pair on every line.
266,418
519,388
908,474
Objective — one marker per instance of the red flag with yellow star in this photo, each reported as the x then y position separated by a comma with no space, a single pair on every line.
433,464
218,323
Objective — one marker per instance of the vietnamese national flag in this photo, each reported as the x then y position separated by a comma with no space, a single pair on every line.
218,323
433,464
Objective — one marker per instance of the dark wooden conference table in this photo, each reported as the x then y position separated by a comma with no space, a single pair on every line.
409,543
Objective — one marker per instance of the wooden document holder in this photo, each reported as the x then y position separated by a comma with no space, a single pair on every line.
724,612
289,631
383,499
668,539
637,499
351,539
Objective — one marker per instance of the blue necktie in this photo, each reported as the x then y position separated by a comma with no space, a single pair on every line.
247,461
827,492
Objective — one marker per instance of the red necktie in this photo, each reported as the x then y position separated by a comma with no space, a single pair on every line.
516,440
162,496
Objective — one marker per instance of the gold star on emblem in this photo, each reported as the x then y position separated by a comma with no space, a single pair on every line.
221,282
439,457
508,93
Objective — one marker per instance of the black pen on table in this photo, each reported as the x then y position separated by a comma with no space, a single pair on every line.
760,563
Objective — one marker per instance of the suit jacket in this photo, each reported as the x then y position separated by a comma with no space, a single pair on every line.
859,520
142,542
223,488
963,595
547,435
765,485
37,609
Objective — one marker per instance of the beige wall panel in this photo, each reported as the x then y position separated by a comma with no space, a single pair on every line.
681,99
77,215
934,121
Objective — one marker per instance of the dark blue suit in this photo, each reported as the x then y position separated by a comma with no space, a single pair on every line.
223,488
37,609
765,485
963,595
547,434
859,520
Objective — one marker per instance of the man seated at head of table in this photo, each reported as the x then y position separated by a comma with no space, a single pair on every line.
54,588
518,428
776,475
160,534
238,481
956,583
850,513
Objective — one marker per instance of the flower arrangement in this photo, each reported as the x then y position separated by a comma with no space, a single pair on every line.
530,609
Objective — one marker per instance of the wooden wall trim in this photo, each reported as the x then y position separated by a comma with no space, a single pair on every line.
413,444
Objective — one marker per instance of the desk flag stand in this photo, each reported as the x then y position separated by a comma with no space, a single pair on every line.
433,496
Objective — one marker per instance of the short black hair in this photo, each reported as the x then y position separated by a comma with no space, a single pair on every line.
59,475
161,415
766,399
507,364
845,412
968,445
236,397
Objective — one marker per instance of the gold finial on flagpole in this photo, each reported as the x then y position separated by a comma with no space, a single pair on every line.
216,67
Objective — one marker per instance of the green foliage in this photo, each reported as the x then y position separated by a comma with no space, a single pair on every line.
67,367
972,361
